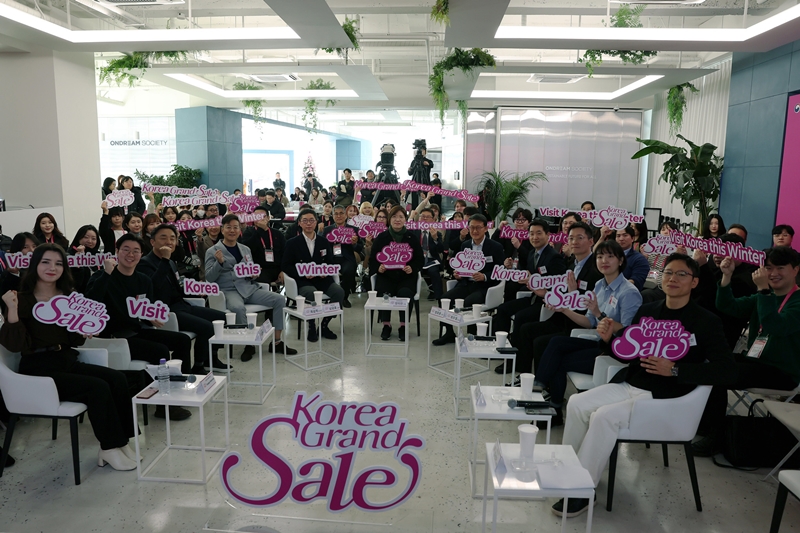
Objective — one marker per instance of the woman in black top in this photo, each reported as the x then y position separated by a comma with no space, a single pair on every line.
401,283
46,230
134,223
189,264
48,350
86,241
138,205
110,227
326,219
714,226
109,184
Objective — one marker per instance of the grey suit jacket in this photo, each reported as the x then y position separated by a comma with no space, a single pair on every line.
222,274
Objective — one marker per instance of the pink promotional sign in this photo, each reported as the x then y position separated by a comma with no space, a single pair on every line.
19,260
373,229
467,262
243,203
200,288
789,193
561,297
360,221
734,250
143,309
510,232
119,198
74,312
411,186
395,255
247,269
559,238
660,244
445,224
537,282
615,218
314,269
501,273
192,225
343,235
653,338
347,429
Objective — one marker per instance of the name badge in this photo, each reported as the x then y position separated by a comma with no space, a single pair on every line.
337,249
489,259
612,302
692,340
323,253
269,256
758,346
582,285
542,270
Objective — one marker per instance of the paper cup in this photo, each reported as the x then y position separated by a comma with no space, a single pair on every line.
446,304
318,297
219,327
482,329
526,383
459,303
527,440
251,320
230,318
373,295
502,336
301,304
476,310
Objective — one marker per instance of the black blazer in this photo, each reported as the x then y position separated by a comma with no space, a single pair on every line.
259,241
436,247
297,252
588,273
347,249
163,276
417,258
493,251
552,261
508,249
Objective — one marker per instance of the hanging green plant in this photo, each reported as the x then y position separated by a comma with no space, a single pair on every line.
467,61
350,27
256,107
627,16
441,12
131,68
312,104
676,105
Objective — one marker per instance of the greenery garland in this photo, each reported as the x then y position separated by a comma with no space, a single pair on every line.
122,69
180,176
350,27
625,17
441,12
256,107
467,61
676,105
312,104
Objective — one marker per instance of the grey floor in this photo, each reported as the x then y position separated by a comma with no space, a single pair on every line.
38,494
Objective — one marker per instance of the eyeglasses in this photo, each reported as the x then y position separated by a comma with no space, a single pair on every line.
681,274
576,238
476,228
520,219
307,221
128,251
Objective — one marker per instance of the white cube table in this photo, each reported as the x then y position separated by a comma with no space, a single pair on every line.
380,304
466,351
499,410
184,397
510,486
249,337
300,360
458,321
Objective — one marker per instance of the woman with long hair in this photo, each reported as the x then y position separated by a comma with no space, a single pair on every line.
713,227
109,185
49,350
170,214
326,219
351,211
366,209
381,216
138,205
110,226
46,230
10,279
86,241
316,197
134,223
187,240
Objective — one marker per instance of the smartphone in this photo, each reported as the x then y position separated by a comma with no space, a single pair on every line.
235,326
147,393
506,350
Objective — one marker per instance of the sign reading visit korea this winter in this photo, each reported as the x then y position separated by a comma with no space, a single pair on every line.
342,433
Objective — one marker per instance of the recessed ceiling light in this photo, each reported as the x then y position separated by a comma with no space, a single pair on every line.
141,2
555,78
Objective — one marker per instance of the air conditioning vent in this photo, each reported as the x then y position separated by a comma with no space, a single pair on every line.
141,2
555,78
276,78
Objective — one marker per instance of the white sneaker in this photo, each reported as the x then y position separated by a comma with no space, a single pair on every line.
116,458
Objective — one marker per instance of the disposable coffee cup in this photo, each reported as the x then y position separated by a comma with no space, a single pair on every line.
251,320
219,327
230,318
459,303
318,297
301,304
501,336
476,310
527,441
526,383
446,304
482,329
373,295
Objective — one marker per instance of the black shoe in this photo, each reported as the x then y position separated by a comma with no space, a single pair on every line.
218,366
556,420
280,347
176,413
328,334
432,298
386,332
248,353
346,304
708,446
401,334
448,338
9,460
503,368
313,334
575,507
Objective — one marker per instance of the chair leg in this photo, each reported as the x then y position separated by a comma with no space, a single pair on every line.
55,428
416,304
612,474
666,454
777,514
80,418
144,414
687,446
76,461
7,443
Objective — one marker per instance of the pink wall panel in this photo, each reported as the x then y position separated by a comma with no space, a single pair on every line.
789,193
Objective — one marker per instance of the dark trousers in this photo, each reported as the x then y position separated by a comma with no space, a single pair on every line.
562,355
752,374
103,390
434,273
347,277
511,290
522,311
198,321
533,338
472,293
152,345
405,289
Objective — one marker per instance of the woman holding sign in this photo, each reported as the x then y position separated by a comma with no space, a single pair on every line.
48,350
397,259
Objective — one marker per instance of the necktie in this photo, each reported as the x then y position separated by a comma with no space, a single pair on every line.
535,260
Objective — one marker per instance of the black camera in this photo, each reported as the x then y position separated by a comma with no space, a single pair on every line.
419,146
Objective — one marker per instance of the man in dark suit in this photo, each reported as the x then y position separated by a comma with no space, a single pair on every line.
636,265
276,210
473,289
312,248
543,260
515,250
344,254
432,242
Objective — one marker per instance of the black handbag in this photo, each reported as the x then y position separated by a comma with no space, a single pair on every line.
757,441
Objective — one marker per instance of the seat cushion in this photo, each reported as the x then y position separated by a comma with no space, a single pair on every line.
253,308
71,408
787,414
790,478
581,382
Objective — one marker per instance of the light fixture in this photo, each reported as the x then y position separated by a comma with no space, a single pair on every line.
555,78
566,95
299,94
141,2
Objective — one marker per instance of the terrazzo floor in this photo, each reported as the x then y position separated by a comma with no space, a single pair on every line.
39,494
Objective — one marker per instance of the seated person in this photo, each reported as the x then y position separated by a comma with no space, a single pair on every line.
312,248
276,210
636,265
432,243
738,229
220,261
615,299
396,282
344,254
267,247
774,320
473,289
113,285
163,273
595,417
782,235
515,250
86,241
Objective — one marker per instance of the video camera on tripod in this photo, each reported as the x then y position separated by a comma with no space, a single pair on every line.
386,173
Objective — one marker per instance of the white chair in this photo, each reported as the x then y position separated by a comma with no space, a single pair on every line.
494,295
787,414
219,303
789,482
37,397
745,397
291,293
664,421
583,382
414,300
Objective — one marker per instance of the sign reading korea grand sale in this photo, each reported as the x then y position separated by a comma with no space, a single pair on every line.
654,338
74,312
342,432
468,261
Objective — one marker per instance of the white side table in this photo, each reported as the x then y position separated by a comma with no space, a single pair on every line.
499,410
477,350
249,337
313,313
510,486
183,397
379,304
458,321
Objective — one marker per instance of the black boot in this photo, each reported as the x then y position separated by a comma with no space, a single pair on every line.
326,332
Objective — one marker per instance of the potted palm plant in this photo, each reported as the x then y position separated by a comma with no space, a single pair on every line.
503,192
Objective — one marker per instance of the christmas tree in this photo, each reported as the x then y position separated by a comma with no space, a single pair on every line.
309,167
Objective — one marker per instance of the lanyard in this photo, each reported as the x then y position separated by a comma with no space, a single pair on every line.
189,242
2,263
270,240
785,299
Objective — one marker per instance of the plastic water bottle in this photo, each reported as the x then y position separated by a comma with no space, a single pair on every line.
163,378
